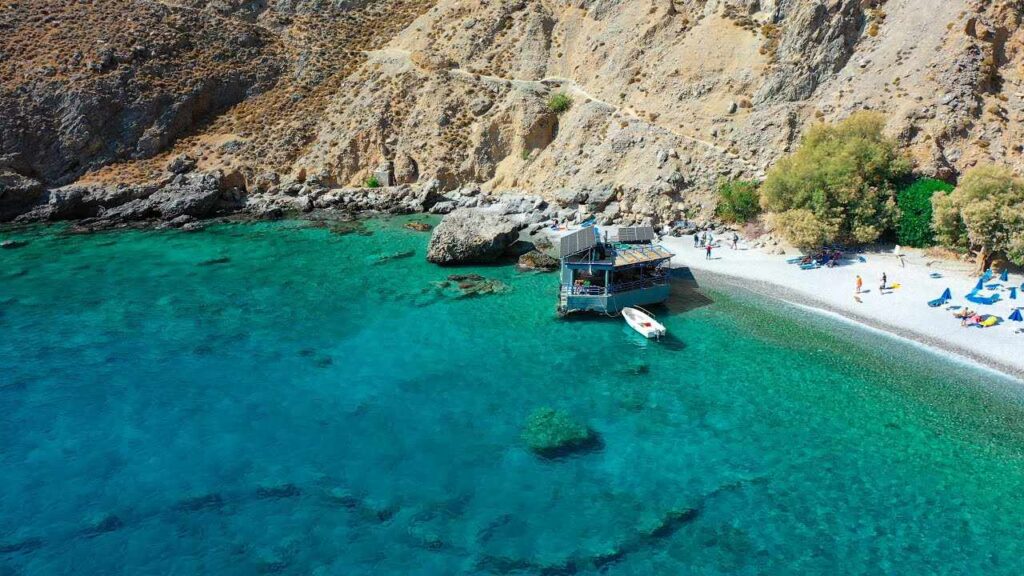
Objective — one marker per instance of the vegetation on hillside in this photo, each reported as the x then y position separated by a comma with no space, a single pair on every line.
983,215
839,186
738,201
559,102
914,227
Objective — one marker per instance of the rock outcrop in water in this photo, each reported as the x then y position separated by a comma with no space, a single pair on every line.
552,433
472,236
537,261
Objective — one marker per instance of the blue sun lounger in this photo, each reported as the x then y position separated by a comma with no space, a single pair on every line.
973,297
941,299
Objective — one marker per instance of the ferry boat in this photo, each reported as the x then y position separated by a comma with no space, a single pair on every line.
602,272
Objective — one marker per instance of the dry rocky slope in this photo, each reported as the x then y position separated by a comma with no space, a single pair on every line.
279,104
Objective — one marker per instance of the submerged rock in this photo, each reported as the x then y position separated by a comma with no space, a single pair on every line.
109,523
12,244
21,546
385,258
215,261
552,433
472,285
418,226
537,261
281,491
470,235
198,503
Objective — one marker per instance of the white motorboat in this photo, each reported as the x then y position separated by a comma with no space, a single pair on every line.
643,323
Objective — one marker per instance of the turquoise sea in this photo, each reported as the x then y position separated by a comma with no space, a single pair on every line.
287,398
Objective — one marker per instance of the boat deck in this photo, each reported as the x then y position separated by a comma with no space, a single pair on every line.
637,255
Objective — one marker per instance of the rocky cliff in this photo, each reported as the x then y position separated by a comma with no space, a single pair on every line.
286,99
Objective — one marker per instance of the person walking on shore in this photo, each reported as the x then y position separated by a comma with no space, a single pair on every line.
735,240
708,254
860,283
881,289
696,239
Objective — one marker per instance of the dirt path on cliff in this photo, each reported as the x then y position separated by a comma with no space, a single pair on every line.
546,83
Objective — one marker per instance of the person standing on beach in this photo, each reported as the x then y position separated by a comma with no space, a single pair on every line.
881,289
708,255
696,239
860,283
735,240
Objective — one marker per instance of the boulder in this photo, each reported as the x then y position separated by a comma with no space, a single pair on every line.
418,226
552,433
537,261
469,235
17,194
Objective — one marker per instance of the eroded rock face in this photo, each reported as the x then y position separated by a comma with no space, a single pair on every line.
471,235
117,79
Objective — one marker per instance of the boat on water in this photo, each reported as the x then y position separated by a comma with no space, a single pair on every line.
607,272
643,323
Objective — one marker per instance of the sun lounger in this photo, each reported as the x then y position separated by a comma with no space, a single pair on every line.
989,321
810,266
946,295
973,297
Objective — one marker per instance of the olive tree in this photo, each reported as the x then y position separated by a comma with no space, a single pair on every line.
839,186
983,215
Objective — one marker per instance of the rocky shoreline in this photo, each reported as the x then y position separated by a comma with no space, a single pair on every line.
185,198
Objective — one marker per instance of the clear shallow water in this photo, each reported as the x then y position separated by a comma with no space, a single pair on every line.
270,398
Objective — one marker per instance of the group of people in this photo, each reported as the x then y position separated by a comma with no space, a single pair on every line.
706,240
881,288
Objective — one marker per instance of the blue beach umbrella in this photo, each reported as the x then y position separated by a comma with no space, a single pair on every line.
1005,275
980,284
1013,293
946,295
1016,317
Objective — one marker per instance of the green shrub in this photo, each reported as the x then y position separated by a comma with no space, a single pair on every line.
984,214
372,182
914,227
559,102
738,201
843,176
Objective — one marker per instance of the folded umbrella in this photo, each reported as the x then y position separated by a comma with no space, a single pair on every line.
1016,317
1005,275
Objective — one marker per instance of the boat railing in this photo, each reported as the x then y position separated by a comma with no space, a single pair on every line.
572,290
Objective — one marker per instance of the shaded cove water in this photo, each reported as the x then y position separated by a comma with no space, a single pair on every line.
283,398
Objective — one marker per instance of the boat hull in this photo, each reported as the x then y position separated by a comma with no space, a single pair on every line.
614,303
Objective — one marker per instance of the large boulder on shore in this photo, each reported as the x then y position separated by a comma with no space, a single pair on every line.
470,235
537,261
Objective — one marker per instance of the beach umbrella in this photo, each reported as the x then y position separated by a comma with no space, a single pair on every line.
1013,293
946,295
1016,317
1005,275
980,284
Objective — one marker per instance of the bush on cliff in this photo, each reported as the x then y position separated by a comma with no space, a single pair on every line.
738,201
984,215
839,186
559,102
915,221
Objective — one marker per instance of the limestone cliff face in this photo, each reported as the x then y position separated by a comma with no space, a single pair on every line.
668,95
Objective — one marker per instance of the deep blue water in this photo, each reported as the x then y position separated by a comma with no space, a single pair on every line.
279,398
